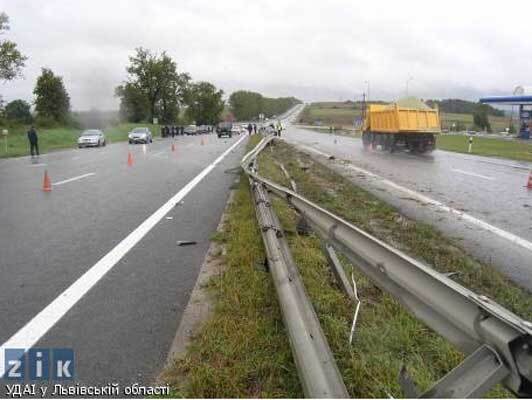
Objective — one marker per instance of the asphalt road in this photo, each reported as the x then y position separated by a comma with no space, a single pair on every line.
480,201
110,219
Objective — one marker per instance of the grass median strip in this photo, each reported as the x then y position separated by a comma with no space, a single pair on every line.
243,350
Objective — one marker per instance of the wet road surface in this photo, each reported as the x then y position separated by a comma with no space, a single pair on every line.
481,201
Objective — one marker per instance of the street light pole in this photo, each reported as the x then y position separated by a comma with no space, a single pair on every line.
407,82
367,83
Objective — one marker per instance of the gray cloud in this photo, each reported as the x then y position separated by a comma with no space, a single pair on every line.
313,50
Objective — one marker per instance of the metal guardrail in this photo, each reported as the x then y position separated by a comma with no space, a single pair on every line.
315,363
498,342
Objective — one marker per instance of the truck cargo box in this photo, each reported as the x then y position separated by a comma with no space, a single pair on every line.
395,119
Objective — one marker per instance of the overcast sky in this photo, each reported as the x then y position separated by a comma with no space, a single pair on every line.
313,50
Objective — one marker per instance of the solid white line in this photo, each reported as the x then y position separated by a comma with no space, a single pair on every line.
489,178
37,327
429,201
38,165
73,179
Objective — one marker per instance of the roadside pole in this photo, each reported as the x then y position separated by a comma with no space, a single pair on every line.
5,132
470,145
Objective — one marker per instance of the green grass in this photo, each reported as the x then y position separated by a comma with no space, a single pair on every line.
511,149
337,114
60,138
498,124
243,351
343,114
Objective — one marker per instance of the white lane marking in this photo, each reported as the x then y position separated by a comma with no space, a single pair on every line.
489,178
73,179
158,153
38,165
37,327
429,201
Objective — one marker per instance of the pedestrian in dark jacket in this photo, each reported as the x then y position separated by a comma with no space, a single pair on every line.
34,141
250,128
173,131
255,129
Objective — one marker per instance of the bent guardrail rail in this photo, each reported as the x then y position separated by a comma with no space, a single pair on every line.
498,342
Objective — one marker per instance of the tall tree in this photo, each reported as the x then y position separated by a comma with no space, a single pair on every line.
155,78
11,59
18,111
245,105
134,104
204,103
480,117
52,100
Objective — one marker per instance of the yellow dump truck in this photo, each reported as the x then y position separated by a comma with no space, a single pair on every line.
409,124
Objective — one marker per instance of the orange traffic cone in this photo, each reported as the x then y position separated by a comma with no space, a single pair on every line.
129,159
47,184
173,147
529,184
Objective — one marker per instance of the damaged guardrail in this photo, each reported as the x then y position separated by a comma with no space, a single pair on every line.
315,363
498,343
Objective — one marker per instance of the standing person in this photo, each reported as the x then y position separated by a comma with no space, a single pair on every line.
250,128
162,131
279,128
173,131
255,129
34,141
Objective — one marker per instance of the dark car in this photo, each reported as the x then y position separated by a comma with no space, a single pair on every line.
224,129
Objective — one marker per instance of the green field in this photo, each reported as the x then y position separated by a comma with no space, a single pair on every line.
512,149
337,114
60,138
342,114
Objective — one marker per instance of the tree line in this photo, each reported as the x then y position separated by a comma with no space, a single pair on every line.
247,105
155,89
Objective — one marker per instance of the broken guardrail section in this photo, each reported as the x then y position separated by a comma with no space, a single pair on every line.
498,343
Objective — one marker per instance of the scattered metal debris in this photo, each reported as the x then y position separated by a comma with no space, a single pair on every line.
186,242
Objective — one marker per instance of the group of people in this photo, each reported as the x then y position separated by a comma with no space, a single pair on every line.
172,130
252,128
277,128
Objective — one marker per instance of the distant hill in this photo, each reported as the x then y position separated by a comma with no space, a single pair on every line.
458,106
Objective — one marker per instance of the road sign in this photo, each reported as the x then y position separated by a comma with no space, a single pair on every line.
155,121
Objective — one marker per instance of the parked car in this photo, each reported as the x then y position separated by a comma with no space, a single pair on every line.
224,129
203,129
91,138
191,130
140,135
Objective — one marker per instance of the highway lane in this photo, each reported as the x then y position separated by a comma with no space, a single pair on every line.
488,191
122,328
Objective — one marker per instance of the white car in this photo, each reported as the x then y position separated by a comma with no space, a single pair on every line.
235,129
91,138
140,135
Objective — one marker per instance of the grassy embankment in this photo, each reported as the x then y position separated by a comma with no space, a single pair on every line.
243,351
60,138
342,115
483,146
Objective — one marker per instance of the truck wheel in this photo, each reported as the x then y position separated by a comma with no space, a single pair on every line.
365,140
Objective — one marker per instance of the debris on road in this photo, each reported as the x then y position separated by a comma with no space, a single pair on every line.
186,242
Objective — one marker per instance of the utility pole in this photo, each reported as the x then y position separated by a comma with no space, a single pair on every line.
407,82
367,92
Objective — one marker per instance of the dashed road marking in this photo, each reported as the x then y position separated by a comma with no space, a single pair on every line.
489,178
73,179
